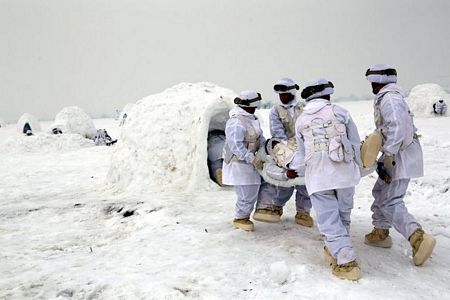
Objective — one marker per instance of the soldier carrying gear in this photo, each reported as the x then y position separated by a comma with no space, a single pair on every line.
328,151
402,160
282,127
243,139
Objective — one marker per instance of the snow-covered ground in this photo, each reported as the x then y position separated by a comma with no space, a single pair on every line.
64,234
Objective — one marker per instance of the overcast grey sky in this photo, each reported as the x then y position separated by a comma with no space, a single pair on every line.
102,54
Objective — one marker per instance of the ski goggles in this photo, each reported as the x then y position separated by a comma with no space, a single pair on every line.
311,90
285,88
387,72
247,102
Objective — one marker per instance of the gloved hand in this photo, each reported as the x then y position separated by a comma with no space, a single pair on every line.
257,163
291,174
382,173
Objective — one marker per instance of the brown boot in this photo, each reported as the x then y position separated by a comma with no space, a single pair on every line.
350,271
219,177
423,245
330,259
244,224
269,214
304,219
378,238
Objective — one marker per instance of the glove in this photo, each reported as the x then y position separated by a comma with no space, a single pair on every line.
257,163
291,174
389,161
382,173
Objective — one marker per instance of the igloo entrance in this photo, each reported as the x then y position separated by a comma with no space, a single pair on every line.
215,144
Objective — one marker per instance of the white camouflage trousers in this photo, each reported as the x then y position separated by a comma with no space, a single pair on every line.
246,198
276,195
302,200
333,209
389,208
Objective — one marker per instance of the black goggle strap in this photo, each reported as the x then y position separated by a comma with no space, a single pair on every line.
246,102
387,72
310,90
284,88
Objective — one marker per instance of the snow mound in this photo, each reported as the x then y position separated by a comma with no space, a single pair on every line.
31,120
279,272
44,142
163,144
73,119
423,96
2,123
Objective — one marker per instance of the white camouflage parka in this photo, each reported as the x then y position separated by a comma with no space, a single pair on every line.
394,121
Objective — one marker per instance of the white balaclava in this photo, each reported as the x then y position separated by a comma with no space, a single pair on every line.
383,74
317,88
248,99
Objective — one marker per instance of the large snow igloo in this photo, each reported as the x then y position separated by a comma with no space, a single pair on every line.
163,143
423,96
28,122
73,119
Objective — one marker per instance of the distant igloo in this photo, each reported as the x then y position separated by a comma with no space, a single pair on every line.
28,124
163,144
423,96
73,119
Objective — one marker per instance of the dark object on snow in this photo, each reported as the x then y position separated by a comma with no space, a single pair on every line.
56,131
128,213
440,107
27,129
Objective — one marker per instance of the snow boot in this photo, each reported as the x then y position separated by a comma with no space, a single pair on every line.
330,259
269,214
244,224
423,245
378,238
304,219
349,271
219,177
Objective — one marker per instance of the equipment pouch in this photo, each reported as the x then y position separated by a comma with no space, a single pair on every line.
349,153
336,148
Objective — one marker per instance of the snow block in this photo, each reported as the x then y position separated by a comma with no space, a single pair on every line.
73,119
422,97
163,143
29,119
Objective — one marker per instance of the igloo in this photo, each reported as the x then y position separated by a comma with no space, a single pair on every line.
73,119
423,96
163,144
28,123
